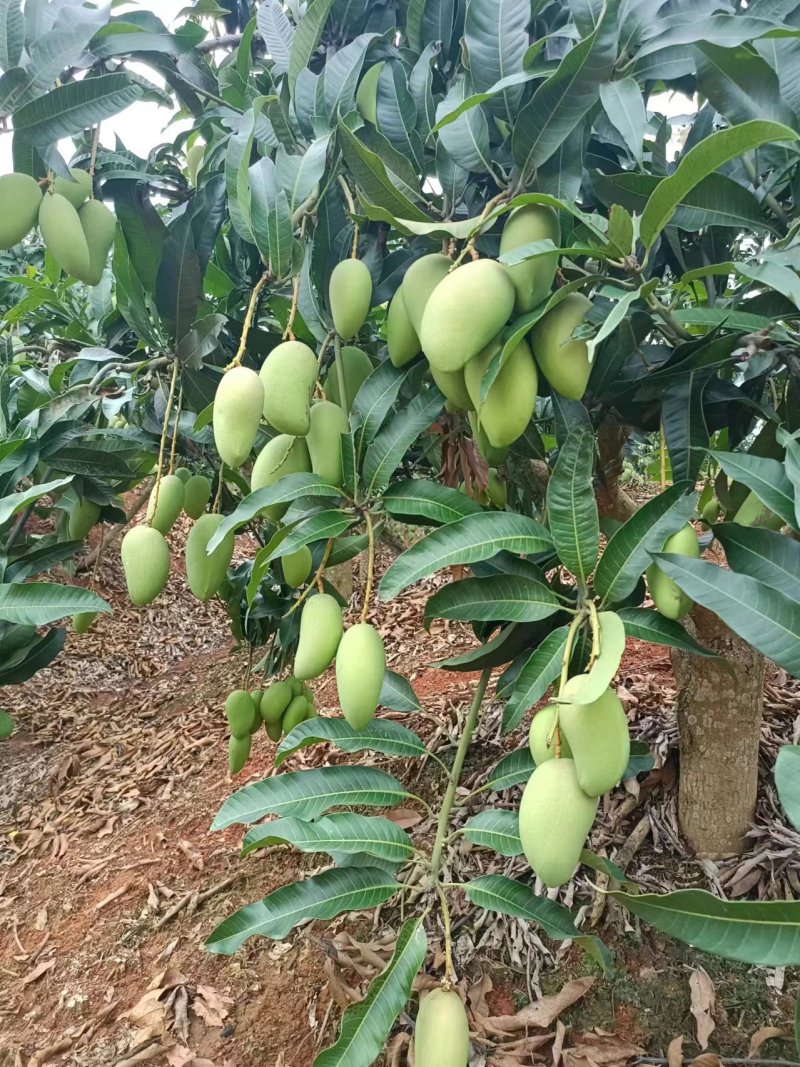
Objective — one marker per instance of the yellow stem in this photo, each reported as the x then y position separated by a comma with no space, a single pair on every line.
175,433
164,429
351,207
572,633
594,622
663,451
93,157
248,319
449,970
288,333
317,578
370,565
218,498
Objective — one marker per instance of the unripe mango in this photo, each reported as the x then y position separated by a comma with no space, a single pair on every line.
82,622
281,456
466,310
401,337
165,503
356,368
82,518
668,599
288,375
419,281
324,440
710,512
541,729
238,406
555,817
196,494
496,489
598,737
238,752
441,1034
63,234
511,399
533,278
350,296
297,567
753,512
360,670
367,93
21,198
296,686
6,726
275,700
296,713
99,228
274,730
492,455
184,474
240,711
563,360
320,633
454,388
206,573
77,189
145,562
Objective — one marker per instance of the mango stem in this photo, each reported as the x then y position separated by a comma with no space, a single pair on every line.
164,429
370,565
248,319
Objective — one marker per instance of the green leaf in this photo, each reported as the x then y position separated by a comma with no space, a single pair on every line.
322,896
373,402
10,505
763,933
627,554
684,423
765,555
396,113
12,33
179,281
373,178
343,831
467,540
379,735
766,477
474,99
277,32
640,761
496,37
307,794
495,892
237,170
706,157
299,175
588,687
418,499
511,770
144,231
397,694
537,675
72,108
383,456
271,218
623,104
740,84
317,527
507,597
307,35
765,618
21,666
495,828
648,625
571,506
787,782
465,139
366,1026
40,603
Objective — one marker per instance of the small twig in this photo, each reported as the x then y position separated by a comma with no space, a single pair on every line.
175,432
248,319
127,368
164,431
227,41
93,157
310,587
176,909
370,565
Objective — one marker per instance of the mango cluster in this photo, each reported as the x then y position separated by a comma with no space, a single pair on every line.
580,751
280,707
77,229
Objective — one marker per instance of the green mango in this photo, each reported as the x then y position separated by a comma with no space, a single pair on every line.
274,730
367,93
82,518
165,503
555,817
240,712
289,374
255,696
710,513
6,726
145,563
533,278
668,599
563,360
356,368
296,686
511,401
419,281
324,440
598,737
63,234
401,337
350,296
360,671
493,456
541,729
441,1033
196,494
296,713
21,198
454,388
184,474
466,310
281,456
99,228
82,622
496,490
77,189
320,633
205,573
296,567
275,700
238,752
753,512
238,406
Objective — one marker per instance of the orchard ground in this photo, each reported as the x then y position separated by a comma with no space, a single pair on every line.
113,778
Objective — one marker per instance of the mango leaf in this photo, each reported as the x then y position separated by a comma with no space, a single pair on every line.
12,33
623,104
366,1026
684,423
317,527
535,678
289,488
640,761
15,502
502,85
397,694
277,32
467,540
495,33
508,597
179,280
765,555
648,625
495,828
588,687
40,603
373,402
308,794
271,217
511,770
379,735
766,477
322,896
343,831
763,933
571,505
306,38
71,108
383,456
19,667
237,169
787,782
374,180
420,499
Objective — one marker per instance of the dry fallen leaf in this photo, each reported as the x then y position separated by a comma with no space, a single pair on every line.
545,1011
703,1001
38,971
675,1052
762,1035
601,1050
707,1059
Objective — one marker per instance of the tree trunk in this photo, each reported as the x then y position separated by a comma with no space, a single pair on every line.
612,500
719,705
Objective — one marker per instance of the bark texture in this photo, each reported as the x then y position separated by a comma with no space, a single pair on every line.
612,500
719,706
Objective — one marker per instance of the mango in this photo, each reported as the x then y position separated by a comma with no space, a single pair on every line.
255,696
532,279
297,567
145,563
275,700
281,456
540,731
360,670
77,189
668,599
238,752
308,693
598,737
367,93
296,713
238,406
466,310
401,337
82,518
296,686
454,388
82,622
496,490
63,234
99,228
356,368
288,375
327,424
753,512
239,711
419,281
196,494
6,726
165,503
492,455
563,360
205,573
274,730
184,474
350,296
555,817
710,513
21,198
441,1033
320,633
511,399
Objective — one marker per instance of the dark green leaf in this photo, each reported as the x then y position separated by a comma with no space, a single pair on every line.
289,488
179,281
571,505
40,603
306,38
505,597
397,694
511,770
32,659
341,832
71,108
764,554
495,33
623,103
740,85
787,782
271,218
495,828
383,456
533,681
421,499
379,735
648,625
766,477
373,178
12,33
685,425
277,32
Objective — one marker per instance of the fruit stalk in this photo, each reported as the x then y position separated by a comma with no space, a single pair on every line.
337,355
317,576
248,319
370,565
351,207
175,434
164,430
